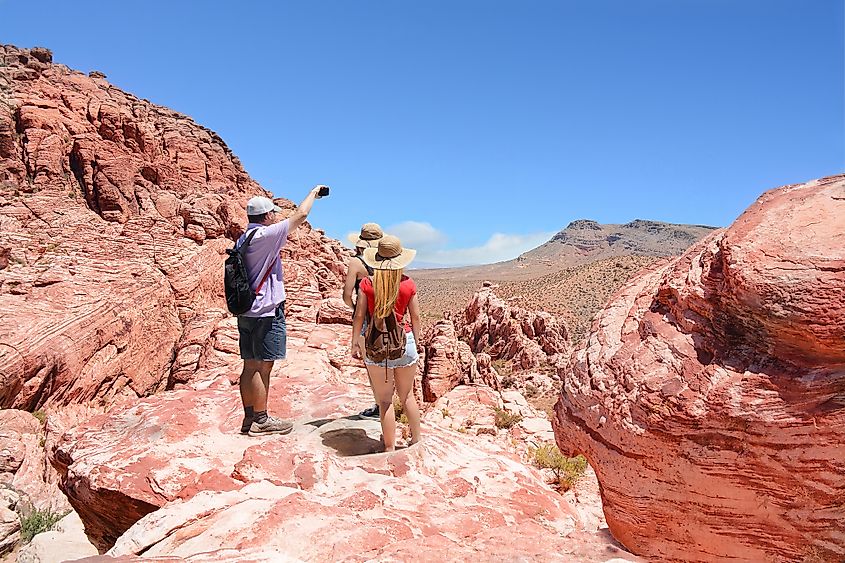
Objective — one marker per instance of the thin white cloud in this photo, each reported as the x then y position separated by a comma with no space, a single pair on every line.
415,234
499,247
429,243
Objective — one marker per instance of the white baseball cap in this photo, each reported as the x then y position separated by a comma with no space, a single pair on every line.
259,205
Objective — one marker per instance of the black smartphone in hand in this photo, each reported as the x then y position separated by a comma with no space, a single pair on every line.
323,192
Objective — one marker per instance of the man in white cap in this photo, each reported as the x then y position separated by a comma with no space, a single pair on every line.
262,332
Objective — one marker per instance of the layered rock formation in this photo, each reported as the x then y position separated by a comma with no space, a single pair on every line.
528,339
461,348
449,362
114,217
710,397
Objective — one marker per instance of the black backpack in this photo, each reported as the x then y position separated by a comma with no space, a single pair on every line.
239,293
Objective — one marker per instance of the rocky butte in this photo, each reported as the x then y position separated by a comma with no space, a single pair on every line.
114,217
710,396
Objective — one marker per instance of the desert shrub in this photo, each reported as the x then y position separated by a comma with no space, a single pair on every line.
445,412
567,470
531,391
502,367
398,411
506,419
41,416
508,381
38,521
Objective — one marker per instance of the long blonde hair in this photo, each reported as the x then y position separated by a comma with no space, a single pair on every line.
386,289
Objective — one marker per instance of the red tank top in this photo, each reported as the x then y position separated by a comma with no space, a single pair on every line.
407,289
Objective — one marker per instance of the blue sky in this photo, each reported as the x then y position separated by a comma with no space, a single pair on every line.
476,129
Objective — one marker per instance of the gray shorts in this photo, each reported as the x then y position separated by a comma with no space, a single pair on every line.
263,338
409,358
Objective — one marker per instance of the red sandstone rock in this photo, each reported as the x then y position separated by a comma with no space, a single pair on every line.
334,311
23,461
186,483
114,217
710,396
528,339
443,370
449,362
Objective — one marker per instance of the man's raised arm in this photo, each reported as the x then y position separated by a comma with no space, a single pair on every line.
304,208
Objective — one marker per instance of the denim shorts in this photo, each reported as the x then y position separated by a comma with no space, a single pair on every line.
263,338
409,358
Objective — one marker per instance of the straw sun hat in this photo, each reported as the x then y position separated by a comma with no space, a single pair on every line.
389,255
370,234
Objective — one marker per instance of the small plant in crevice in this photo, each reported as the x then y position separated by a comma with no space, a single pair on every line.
566,470
505,418
41,416
531,391
398,412
38,521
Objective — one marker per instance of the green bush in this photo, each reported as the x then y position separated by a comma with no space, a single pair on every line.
41,416
567,470
506,419
38,521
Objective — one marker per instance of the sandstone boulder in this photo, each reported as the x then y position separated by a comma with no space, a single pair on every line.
710,395
334,311
23,461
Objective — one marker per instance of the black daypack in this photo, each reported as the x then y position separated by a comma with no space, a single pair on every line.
239,293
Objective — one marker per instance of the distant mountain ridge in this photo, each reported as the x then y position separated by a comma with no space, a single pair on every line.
584,241
591,240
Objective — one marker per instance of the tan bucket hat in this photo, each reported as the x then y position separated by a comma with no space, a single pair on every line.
389,255
370,234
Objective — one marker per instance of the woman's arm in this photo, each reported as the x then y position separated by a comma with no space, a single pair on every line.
414,309
357,323
352,270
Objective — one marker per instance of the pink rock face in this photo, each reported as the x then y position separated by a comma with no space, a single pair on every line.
114,217
529,339
334,311
172,477
710,396
23,461
449,362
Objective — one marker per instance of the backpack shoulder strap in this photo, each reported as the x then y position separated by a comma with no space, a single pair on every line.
370,270
248,238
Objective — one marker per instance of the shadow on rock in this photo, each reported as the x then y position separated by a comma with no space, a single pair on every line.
352,442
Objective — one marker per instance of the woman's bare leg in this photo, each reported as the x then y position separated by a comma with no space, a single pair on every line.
405,389
383,393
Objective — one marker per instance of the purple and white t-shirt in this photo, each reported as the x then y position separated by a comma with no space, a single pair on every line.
261,254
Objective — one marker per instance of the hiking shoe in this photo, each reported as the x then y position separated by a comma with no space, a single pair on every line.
272,425
247,422
371,412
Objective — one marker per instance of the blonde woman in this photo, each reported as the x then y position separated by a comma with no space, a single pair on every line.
391,292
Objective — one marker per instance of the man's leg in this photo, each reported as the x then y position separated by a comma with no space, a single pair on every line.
270,345
255,384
